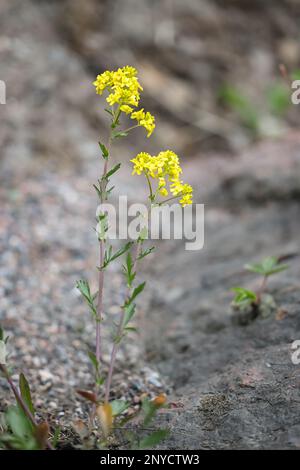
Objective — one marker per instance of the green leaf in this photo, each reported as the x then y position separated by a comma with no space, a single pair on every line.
109,111
56,436
19,423
128,270
143,234
153,439
267,267
146,252
119,406
109,257
102,226
112,171
1,334
241,105
244,296
84,289
105,153
149,410
278,97
117,135
93,360
135,293
98,190
131,329
25,392
129,312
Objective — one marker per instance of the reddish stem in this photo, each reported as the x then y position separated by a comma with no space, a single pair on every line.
262,289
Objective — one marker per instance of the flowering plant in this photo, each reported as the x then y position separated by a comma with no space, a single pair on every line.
163,176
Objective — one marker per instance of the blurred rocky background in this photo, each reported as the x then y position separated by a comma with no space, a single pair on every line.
210,70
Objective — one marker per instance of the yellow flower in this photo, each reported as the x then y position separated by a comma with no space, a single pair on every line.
124,90
164,167
144,119
123,86
126,109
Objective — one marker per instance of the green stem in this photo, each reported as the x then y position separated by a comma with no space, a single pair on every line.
116,344
150,187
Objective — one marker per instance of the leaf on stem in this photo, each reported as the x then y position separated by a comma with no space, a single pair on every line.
104,150
90,396
146,252
128,270
244,296
117,135
109,256
129,312
112,171
18,422
267,267
25,392
135,293
84,289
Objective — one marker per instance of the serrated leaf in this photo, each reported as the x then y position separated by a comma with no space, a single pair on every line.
25,392
153,439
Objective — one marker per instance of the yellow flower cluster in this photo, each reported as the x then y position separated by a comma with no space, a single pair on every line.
144,119
124,89
164,167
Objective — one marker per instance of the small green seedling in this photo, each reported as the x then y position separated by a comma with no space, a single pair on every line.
268,267
244,296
